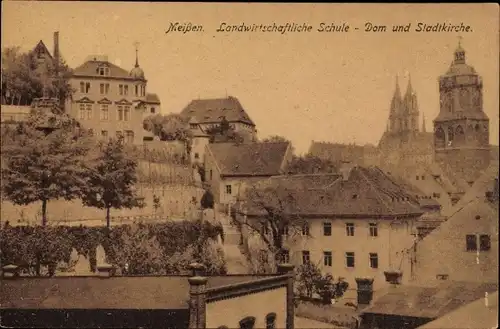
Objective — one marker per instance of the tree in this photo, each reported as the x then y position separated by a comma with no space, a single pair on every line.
224,133
111,179
43,166
207,200
275,139
310,164
276,206
24,78
310,280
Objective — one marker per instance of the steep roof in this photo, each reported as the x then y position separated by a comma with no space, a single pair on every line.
41,49
152,98
476,314
366,192
90,69
428,302
252,159
211,110
146,292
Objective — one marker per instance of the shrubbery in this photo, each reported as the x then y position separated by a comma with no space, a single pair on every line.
159,248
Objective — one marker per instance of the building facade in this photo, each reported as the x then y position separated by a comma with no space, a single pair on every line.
461,129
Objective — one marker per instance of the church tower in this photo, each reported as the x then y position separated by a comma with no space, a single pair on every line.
411,113
461,129
395,120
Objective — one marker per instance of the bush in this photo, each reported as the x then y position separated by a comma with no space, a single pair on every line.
145,248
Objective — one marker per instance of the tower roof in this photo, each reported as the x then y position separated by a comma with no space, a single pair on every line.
396,98
137,72
459,65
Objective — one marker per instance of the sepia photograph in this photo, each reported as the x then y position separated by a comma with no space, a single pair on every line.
176,165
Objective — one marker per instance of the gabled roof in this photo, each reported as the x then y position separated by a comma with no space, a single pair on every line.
366,192
152,98
252,159
90,69
41,48
428,302
477,314
212,110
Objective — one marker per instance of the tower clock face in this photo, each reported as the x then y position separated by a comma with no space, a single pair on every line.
464,98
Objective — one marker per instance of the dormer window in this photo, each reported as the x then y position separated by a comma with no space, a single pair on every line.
103,71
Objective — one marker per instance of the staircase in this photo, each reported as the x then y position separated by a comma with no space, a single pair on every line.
236,261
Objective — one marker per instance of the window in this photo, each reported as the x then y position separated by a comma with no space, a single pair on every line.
349,259
210,174
442,277
104,133
82,87
373,260
471,242
436,195
417,177
125,90
327,258
271,321
129,137
247,323
120,89
87,87
305,229
228,189
126,113
423,177
104,112
120,113
104,88
373,229
82,112
349,229
136,90
306,256
327,229
153,110
284,230
196,156
484,242
103,71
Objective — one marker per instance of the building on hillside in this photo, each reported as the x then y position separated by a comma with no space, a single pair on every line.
410,307
208,114
110,301
481,313
461,129
12,114
358,224
230,167
111,101
465,247
200,140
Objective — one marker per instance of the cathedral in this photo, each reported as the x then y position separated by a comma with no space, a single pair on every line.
453,155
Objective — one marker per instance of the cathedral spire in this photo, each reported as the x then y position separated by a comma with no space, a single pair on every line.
423,123
409,89
396,98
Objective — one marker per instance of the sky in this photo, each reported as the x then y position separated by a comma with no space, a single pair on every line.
321,86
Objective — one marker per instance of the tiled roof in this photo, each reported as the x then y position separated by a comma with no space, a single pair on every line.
477,314
252,159
429,302
211,110
90,69
367,192
152,98
149,292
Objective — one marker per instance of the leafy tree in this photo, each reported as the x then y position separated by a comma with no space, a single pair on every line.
43,166
277,207
309,164
275,139
207,200
24,78
112,178
310,280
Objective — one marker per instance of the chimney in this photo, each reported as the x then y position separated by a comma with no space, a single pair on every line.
10,271
365,291
56,47
105,270
197,302
288,269
345,170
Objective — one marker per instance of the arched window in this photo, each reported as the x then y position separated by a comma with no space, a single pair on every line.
271,321
451,136
439,137
247,323
460,135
